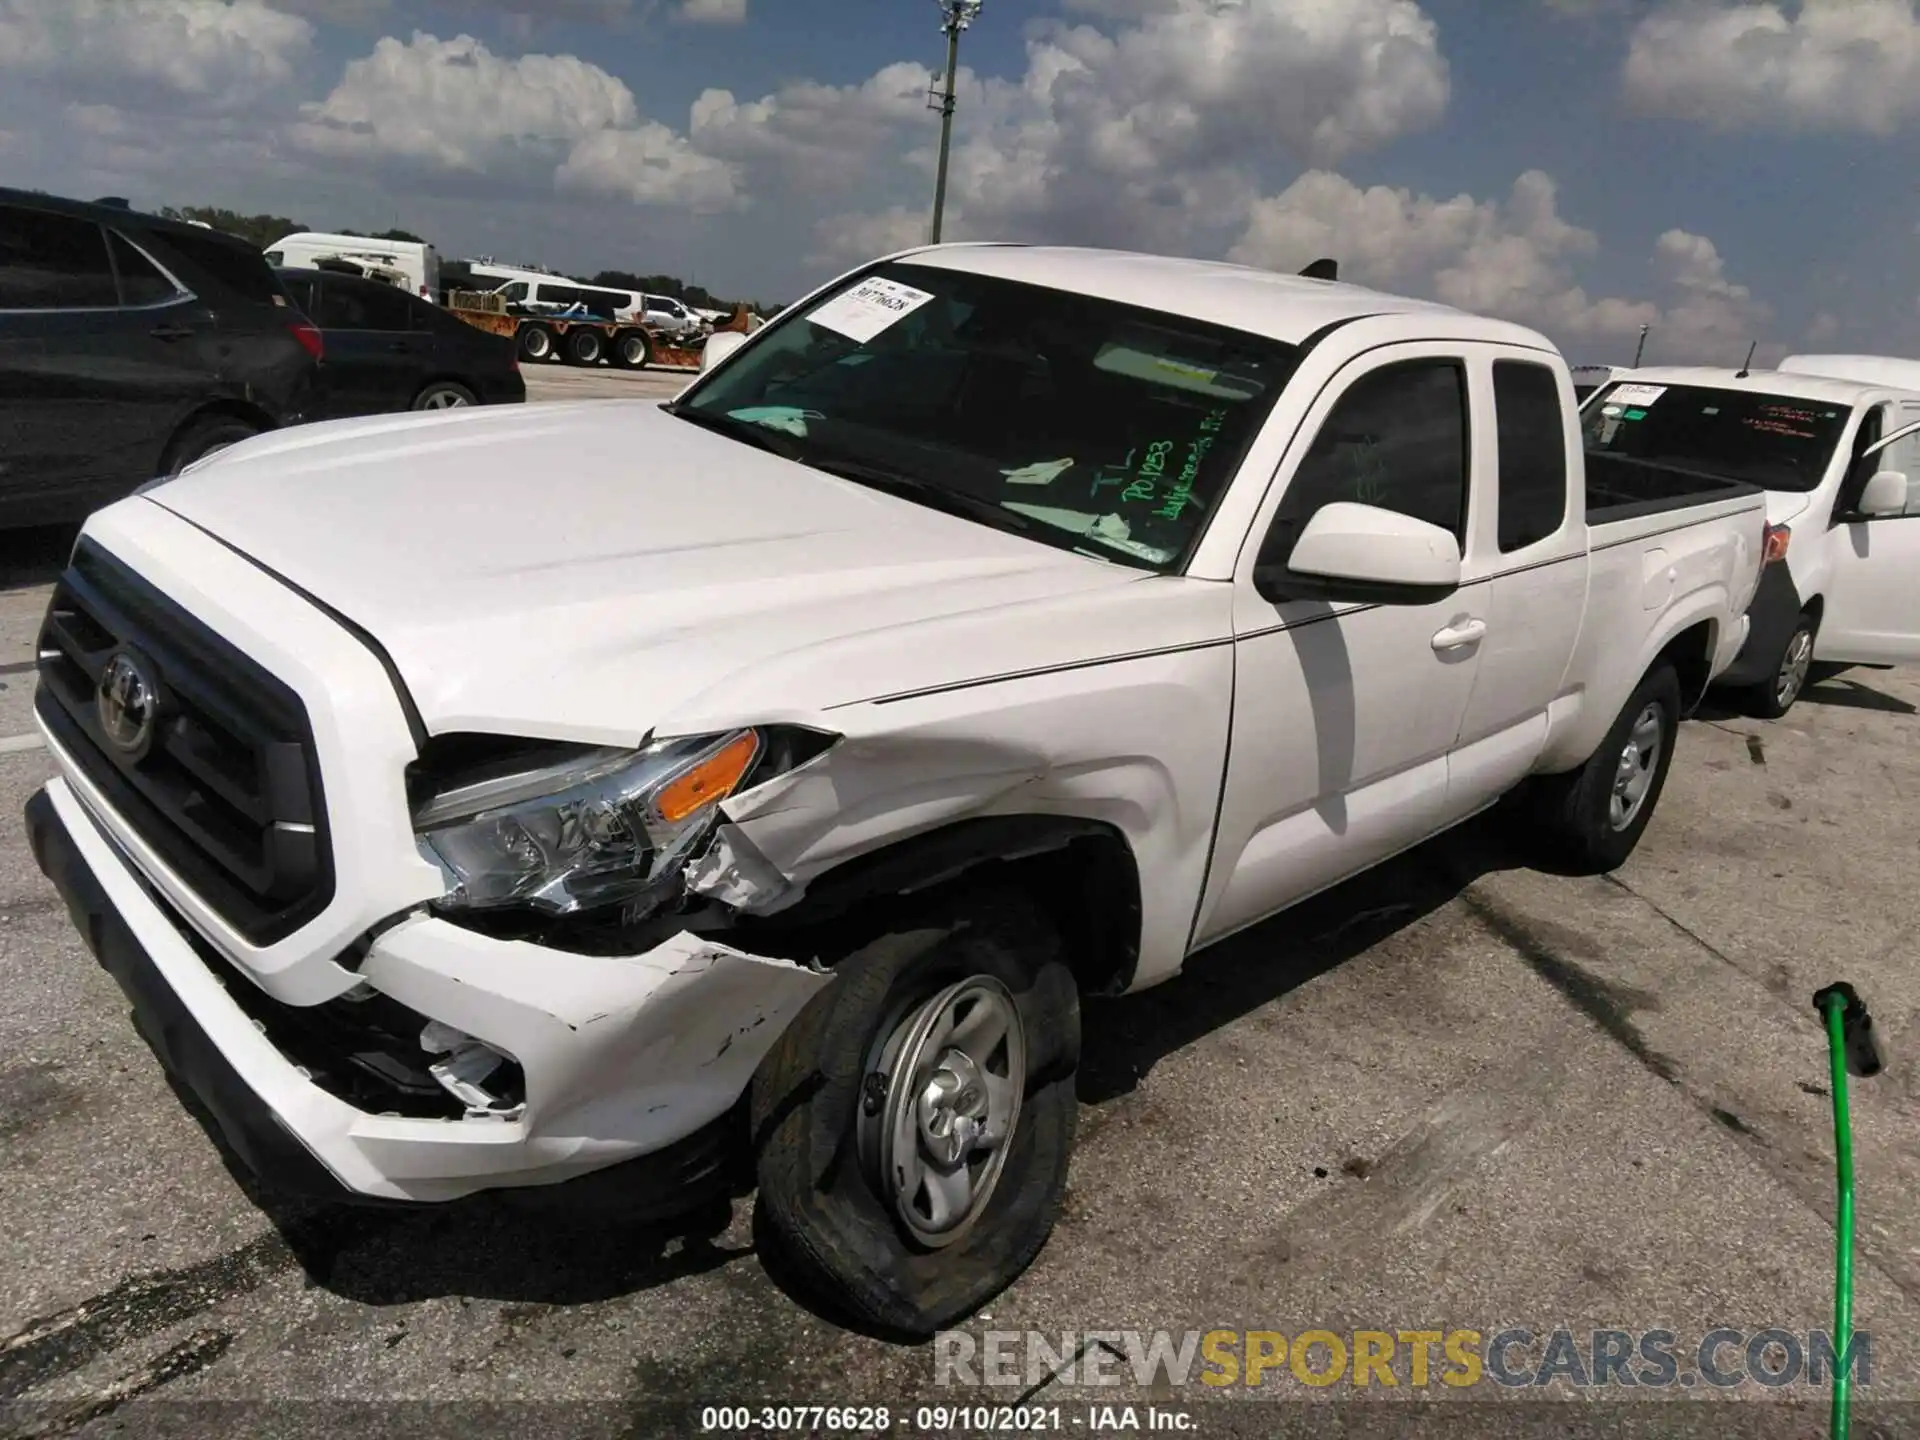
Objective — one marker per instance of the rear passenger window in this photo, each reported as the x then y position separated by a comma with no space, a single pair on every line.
1533,452
53,262
1397,439
345,305
238,266
141,282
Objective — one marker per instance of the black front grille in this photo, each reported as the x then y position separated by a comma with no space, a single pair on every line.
228,790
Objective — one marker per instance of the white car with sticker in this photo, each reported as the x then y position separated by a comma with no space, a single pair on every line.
1837,449
1000,625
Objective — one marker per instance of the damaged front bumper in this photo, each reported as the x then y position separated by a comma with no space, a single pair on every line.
560,1064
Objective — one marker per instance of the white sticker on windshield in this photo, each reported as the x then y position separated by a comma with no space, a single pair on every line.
869,307
1636,394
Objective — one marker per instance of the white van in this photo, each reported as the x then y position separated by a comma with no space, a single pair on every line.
1837,458
417,261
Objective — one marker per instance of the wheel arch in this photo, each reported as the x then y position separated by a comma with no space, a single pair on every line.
224,409
1082,872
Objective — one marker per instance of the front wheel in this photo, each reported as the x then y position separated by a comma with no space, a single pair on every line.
1775,696
914,1123
1593,817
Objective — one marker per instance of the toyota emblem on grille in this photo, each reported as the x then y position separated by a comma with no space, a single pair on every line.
129,702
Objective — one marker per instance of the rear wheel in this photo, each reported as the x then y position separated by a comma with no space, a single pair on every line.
914,1123
443,395
536,342
1775,696
203,437
632,350
1593,817
585,347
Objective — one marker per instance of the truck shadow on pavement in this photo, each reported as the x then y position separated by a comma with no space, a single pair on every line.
1124,1038
536,1249
1835,685
34,556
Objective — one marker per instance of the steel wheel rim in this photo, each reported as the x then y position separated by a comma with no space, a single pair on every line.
634,352
445,400
1794,666
952,1069
1639,759
537,344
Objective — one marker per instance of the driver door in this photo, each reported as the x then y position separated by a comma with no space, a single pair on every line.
1344,714
1873,602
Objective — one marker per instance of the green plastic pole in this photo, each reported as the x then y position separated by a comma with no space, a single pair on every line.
1843,1220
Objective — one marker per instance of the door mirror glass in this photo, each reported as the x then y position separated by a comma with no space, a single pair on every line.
718,347
1366,554
1885,494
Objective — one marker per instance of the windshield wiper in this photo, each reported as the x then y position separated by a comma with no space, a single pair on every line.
936,497
748,432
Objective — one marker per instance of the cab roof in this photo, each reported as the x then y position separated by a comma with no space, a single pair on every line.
1766,382
1287,308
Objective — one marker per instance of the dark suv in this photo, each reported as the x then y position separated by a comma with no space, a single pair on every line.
130,347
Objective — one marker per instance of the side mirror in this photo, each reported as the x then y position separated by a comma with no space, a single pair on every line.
1886,494
718,347
1367,555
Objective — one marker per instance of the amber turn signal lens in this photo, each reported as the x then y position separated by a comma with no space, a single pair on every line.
709,780
1776,542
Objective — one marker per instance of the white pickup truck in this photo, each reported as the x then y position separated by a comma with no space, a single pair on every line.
1837,454
779,768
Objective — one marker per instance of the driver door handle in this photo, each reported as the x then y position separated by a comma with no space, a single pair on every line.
1467,632
171,332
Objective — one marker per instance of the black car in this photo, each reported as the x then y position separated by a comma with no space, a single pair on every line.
388,350
131,346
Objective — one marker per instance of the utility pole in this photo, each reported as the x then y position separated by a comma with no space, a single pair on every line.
955,16
1641,348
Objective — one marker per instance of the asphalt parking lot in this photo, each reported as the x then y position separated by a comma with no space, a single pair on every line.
1457,1093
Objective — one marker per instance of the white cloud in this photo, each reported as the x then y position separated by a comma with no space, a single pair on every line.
1518,258
455,105
1162,130
714,12
1824,64
649,165
812,133
844,241
208,55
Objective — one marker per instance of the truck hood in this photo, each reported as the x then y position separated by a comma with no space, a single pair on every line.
583,571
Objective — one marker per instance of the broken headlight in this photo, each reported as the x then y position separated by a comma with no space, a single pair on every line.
592,828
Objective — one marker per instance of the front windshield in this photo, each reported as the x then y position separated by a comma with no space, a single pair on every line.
1774,441
1082,423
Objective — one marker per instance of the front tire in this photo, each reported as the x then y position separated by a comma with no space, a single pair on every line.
1593,817
906,1203
1776,695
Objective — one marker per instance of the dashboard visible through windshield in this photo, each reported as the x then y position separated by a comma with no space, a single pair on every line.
1085,424
1777,442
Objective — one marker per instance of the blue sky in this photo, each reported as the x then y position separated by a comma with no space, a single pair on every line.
1719,170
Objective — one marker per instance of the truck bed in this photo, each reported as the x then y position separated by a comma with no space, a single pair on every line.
1622,488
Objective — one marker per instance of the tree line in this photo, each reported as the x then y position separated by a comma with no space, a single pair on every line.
263,230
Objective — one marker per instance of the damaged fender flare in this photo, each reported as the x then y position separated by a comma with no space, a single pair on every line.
1094,898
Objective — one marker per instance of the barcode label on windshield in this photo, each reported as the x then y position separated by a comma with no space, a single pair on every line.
869,308
1635,394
